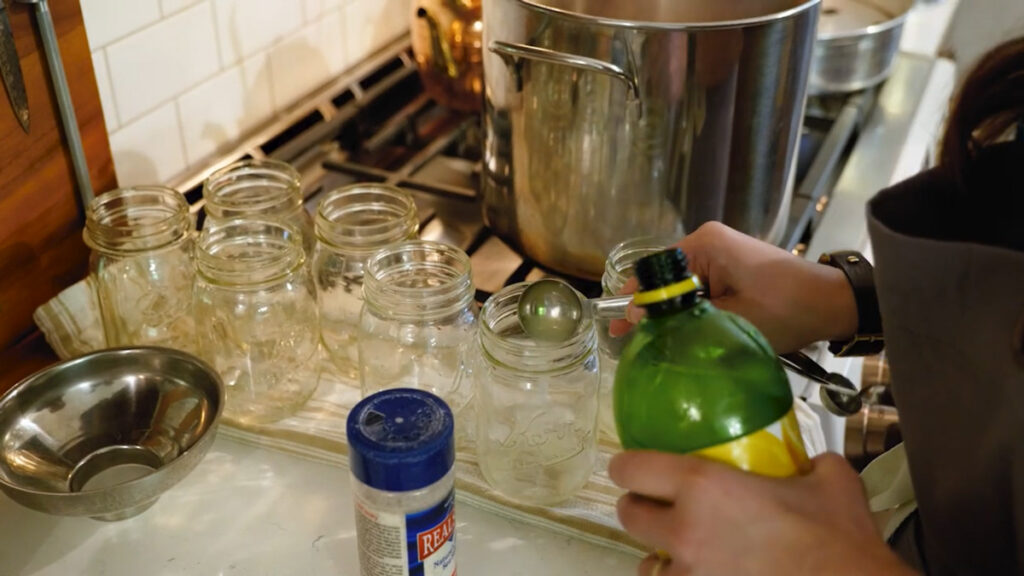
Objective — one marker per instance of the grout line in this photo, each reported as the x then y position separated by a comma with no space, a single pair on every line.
216,33
268,66
110,88
181,135
147,26
307,15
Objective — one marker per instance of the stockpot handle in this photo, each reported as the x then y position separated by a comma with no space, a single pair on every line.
511,52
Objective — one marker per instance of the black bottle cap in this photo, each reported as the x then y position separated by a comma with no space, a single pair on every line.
662,269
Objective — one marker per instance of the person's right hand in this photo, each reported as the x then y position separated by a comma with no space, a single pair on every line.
792,301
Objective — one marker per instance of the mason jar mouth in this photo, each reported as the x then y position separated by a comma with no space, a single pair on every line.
618,268
248,253
253,187
503,339
418,280
365,217
137,219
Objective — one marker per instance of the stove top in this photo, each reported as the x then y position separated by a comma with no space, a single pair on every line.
376,124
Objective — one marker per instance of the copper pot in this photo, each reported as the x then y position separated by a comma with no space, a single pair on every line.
447,40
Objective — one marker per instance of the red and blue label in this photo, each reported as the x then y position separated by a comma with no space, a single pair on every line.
430,537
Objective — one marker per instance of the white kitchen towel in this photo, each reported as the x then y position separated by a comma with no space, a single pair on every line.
71,324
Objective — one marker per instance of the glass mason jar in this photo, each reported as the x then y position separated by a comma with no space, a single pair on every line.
418,321
618,269
261,190
536,405
352,224
256,318
141,266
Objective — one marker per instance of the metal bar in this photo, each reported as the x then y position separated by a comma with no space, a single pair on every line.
438,188
67,107
425,155
401,120
358,169
823,168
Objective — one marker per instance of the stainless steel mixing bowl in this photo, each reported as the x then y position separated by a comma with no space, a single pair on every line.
104,435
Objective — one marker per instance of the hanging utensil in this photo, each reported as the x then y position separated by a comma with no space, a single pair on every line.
67,109
10,69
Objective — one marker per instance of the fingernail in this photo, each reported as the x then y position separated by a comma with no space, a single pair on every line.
634,314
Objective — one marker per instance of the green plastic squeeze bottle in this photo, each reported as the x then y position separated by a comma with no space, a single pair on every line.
696,379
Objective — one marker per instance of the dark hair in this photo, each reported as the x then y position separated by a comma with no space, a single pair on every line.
990,105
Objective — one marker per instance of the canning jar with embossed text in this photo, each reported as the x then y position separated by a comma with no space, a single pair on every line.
141,266
536,404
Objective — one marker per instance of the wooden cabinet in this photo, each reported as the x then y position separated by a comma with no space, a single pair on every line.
41,248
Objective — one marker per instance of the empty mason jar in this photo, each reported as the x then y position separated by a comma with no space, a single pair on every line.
352,224
261,190
418,321
618,269
141,266
256,318
536,405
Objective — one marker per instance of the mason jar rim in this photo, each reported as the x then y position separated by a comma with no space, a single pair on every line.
529,355
454,293
342,203
275,252
278,183
108,227
623,257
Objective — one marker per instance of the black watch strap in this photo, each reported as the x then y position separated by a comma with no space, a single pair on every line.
861,276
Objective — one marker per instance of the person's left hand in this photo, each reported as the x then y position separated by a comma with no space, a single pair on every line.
713,519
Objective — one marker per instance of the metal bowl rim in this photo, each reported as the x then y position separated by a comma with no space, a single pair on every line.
872,30
123,351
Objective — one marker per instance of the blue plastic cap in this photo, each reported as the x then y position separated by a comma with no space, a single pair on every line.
401,439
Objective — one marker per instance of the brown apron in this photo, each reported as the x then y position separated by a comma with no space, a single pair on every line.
949,268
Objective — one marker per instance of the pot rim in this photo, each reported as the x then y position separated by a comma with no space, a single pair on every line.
673,26
863,34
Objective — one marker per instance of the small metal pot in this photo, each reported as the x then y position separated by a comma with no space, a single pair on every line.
857,43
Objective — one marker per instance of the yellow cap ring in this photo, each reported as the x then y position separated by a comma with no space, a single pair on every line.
666,292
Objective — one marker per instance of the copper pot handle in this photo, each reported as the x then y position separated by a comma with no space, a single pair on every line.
511,53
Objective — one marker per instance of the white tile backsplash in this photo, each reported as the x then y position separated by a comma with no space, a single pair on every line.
99,65
217,112
372,23
307,60
171,57
247,26
314,8
180,88
109,20
150,150
169,7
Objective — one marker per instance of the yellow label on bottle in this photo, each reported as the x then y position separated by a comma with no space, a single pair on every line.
777,450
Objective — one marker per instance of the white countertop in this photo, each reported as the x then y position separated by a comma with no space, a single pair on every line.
926,26
253,512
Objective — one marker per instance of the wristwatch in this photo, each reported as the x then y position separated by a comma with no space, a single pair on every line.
861,275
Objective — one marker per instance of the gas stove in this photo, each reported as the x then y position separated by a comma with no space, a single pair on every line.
380,126
376,124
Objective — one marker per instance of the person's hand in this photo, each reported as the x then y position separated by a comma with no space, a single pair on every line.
712,519
792,301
